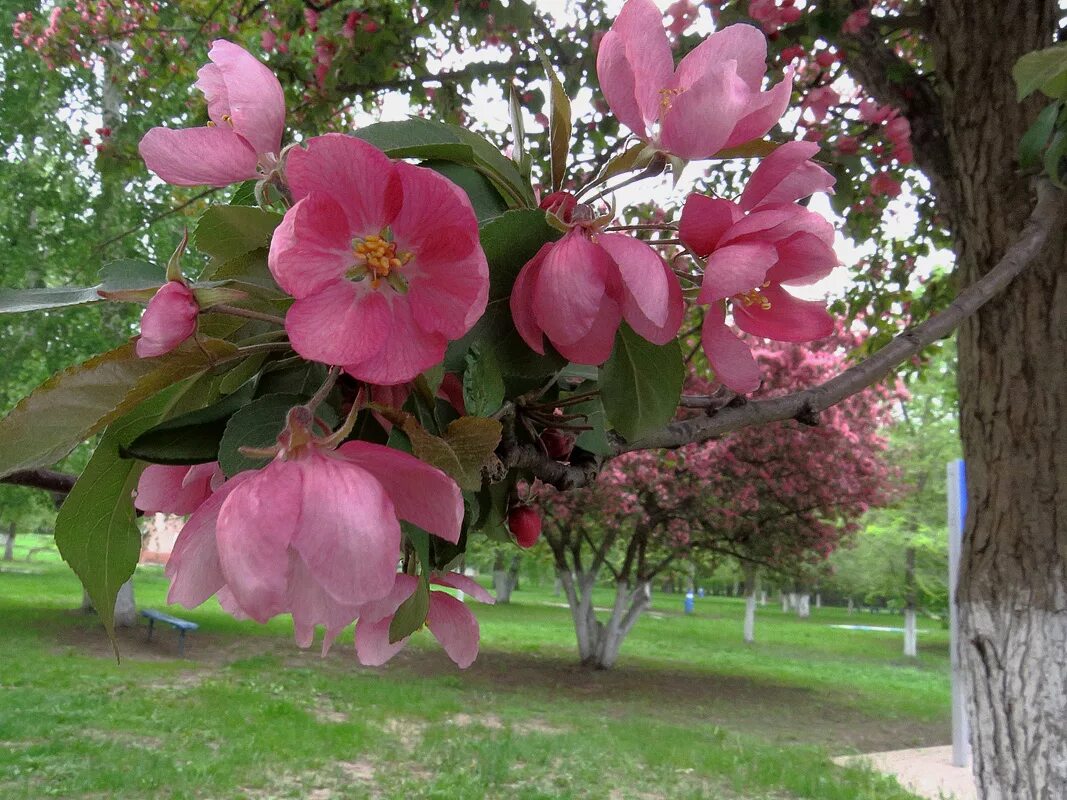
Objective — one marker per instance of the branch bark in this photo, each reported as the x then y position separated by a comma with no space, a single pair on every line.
46,479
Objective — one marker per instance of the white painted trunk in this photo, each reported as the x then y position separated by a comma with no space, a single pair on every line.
910,633
9,544
804,606
763,598
851,607
750,618
794,600
785,602
818,600
125,606
599,641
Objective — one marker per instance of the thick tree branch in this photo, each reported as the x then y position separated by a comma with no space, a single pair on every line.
47,479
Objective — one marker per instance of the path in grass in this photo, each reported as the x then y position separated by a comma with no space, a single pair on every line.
690,712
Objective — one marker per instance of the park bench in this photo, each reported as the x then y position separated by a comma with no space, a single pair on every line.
182,625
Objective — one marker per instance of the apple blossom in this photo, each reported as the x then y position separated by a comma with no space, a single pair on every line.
382,257
169,320
243,139
448,618
712,101
176,489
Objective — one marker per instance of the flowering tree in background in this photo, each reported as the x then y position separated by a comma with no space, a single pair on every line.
887,90
778,496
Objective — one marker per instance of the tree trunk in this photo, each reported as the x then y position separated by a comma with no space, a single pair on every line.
1012,592
599,642
751,589
804,605
785,601
505,580
125,606
851,606
9,543
818,600
910,634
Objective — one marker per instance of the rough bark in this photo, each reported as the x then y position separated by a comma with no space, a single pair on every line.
1012,593
751,590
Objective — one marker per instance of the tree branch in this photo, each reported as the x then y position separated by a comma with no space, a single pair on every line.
46,479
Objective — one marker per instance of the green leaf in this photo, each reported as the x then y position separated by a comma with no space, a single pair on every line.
1042,69
75,404
96,529
118,276
483,383
258,425
641,383
191,438
465,448
1057,151
1033,142
559,125
485,199
521,154
244,194
227,232
411,614
596,440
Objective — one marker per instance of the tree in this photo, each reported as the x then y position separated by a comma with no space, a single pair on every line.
777,496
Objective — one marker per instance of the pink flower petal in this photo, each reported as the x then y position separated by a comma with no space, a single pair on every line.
760,226
789,319
728,355
255,526
734,269
347,532
741,43
802,259
193,567
762,112
372,642
422,495
522,301
786,175
652,296
311,248
407,350
571,287
198,156
311,605
458,580
704,220
376,610
595,347
436,219
169,320
254,96
616,76
640,24
699,121
455,627
342,323
163,488
357,175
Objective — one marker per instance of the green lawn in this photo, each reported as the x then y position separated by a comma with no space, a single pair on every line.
690,712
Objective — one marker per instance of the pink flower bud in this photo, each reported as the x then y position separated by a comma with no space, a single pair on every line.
168,321
525,525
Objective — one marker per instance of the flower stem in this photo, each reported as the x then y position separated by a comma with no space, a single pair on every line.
248,313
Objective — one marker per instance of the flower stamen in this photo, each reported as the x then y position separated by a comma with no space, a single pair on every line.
379,260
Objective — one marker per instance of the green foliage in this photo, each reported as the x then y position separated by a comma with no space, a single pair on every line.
257,425
641,384
411,614
1044,70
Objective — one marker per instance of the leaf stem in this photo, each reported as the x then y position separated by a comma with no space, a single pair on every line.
248,313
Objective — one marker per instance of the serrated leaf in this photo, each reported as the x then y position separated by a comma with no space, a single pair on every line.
1032,144
411,614
1042,69
96,529
75,404
244,194
258,424
465,448
559,125
640,384
483,383
118,276
228,232
191,438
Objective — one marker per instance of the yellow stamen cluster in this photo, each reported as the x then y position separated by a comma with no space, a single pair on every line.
666,97
380,256
753,298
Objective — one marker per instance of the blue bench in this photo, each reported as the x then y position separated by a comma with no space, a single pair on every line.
182,626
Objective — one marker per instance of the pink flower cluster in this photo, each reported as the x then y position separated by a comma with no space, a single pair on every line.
316,534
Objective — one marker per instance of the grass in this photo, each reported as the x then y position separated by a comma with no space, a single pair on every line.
690,712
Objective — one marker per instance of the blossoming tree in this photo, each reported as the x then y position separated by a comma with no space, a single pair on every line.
269,371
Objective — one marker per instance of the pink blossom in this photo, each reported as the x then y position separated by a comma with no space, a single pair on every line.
169,320
856,21
848,145
449,620
884,183
176,489
578,290
315,533
712,101
819,101
382,257
755,247
247,110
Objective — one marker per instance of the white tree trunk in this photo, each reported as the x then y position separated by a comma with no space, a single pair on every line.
763,598
794,600
910,633
752,589
818,600
804,606
599,642
785,602
125,606
9,544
